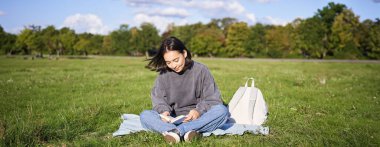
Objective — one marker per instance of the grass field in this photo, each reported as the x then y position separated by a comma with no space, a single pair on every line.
78,102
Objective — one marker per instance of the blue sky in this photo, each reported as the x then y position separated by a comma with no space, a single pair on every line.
103,16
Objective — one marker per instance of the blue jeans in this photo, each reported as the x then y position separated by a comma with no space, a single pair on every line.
213,119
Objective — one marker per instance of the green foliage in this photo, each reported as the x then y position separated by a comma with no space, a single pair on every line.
31,41
345,34
89,44
310,38
370,38
374,35
7,42
78,102
279,41
135,42
120,40
333,32
150,38
107,45
237,35
83,45
67,40
50,38
96,44
21,40
186,32
223,23
207,42
256,43
329,12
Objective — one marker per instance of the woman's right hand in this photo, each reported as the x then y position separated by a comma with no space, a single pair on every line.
166,113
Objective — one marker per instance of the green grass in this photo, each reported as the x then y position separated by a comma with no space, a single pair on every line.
78,102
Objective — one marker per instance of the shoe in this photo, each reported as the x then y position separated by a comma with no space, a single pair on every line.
191,135
171,137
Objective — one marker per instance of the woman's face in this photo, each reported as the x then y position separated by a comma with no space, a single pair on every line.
175,60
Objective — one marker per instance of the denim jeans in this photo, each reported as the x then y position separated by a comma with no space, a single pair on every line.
213,119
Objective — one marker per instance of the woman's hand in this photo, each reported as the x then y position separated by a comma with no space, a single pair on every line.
193,115
166,113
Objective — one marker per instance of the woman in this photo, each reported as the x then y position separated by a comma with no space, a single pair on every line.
183,87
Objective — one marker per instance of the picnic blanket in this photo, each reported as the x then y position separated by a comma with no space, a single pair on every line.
131,124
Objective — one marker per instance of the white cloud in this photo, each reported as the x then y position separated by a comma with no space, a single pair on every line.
251,17
264,1
168,12
274,21
163,12
226,6
203,5
160,22
16,30
2,13
149,3
236,7
86,23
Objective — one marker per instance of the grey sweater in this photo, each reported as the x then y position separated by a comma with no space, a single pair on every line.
195,88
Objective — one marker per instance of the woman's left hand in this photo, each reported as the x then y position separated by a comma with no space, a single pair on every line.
193,115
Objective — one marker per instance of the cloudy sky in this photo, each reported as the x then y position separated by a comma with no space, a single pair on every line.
103,16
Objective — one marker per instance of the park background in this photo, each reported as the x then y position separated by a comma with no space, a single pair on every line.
68,85
333,31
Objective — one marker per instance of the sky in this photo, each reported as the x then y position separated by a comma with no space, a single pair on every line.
104,16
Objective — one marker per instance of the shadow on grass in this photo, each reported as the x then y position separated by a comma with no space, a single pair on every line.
78,57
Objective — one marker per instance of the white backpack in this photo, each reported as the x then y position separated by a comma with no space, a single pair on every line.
248,106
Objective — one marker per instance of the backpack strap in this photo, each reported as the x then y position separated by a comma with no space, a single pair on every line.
252,84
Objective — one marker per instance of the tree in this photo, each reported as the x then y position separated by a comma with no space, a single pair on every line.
369,37
120,40
50,38
95,45
107,45
279,41
67,40
237,35
256,42
310,38
7,42
21,40
344,36
35,42
30,40
328,13
2,39
223,23
134,42
327,16
83,45
207,42
149,37
187,32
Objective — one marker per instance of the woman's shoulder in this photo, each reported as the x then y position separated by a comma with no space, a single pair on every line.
199,66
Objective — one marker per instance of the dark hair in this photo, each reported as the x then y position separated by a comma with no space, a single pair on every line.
157,63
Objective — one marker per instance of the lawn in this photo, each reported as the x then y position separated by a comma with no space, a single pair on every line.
79,101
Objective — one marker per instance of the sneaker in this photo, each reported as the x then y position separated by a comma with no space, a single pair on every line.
191,135
171,137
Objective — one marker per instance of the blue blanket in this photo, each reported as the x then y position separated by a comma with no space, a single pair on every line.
131,124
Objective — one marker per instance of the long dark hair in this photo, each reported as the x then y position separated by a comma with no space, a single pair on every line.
158,64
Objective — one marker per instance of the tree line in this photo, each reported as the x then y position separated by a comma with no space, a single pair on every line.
333,32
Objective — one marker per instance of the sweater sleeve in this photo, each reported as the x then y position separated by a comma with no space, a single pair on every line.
159,97
210,93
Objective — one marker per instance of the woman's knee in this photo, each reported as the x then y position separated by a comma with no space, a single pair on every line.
221,109
146,114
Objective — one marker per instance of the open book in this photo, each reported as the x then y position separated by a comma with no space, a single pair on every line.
177,120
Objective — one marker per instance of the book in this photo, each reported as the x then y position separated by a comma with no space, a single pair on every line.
174,120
